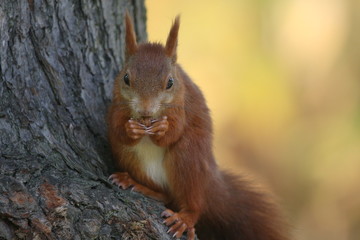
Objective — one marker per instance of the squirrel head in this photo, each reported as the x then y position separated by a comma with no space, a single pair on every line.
149,80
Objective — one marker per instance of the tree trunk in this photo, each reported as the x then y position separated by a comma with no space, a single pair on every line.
58,61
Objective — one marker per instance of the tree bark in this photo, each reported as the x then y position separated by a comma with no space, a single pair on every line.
58,61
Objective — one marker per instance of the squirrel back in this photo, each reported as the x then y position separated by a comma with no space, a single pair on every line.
160,132
233,209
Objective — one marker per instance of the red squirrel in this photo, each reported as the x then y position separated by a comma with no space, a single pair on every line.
160,132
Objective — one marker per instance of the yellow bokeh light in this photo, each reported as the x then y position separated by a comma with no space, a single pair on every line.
281,80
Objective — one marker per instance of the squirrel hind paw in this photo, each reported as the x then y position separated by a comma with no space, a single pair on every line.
121,179
167,213
178,225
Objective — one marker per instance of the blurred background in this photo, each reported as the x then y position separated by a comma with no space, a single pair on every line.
282,79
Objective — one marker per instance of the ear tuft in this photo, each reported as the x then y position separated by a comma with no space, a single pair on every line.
130,38
172,40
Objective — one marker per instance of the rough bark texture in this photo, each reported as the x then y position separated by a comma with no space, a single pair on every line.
58,61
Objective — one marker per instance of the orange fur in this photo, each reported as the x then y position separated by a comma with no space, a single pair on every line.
220,205
172,40
130,37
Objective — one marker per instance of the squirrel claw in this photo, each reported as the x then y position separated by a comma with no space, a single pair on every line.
178,224
122,180
159,128
167,213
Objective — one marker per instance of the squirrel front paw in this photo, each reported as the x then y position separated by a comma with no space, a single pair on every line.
179,223
156,128
134,129
159,127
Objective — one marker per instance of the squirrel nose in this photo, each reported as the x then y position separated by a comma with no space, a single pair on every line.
147,108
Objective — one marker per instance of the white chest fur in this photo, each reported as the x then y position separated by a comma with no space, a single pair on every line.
151,159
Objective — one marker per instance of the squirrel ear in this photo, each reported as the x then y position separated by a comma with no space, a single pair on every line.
130,38
172,40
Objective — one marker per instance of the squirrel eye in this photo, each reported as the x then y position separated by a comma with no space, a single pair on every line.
126,79
170,83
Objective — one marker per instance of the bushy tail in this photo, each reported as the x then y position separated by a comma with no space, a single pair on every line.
237,211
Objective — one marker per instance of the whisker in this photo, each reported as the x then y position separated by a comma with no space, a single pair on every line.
168,105
186,109
123,105
120,104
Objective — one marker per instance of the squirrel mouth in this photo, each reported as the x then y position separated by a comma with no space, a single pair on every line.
147,120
